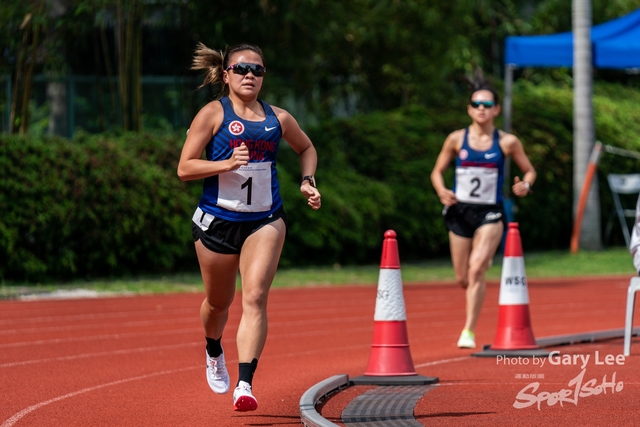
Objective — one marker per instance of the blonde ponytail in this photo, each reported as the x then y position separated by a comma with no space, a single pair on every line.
211,61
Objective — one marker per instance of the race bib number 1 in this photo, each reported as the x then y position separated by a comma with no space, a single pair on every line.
477,185
246,189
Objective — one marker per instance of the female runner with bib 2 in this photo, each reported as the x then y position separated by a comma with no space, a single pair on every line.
473,210
240,223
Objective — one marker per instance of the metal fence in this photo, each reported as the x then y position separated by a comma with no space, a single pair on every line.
92,104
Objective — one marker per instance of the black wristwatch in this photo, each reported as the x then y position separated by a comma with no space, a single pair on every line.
311,179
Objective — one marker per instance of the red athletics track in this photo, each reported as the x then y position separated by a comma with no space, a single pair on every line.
139,361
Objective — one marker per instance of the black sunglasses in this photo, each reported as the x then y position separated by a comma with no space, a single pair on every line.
243,68
485,104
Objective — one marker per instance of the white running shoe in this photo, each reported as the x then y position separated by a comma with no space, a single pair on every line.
467,339
217,375
243,400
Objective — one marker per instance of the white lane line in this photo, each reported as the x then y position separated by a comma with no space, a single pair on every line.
98,337
146,314
191,319
76,317
83,325
16,417
100,354
272,325
10,422
273,336
439,362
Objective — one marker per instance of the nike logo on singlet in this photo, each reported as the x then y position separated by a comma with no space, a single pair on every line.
490,155
268,129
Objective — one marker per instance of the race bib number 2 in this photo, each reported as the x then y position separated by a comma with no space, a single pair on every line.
246,189
477,185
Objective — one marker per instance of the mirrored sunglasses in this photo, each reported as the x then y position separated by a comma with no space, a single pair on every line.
485,104
243,68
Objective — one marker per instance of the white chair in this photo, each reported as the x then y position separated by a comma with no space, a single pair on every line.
634,287
623,184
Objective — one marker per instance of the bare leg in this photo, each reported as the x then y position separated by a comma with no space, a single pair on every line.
219,276
460,252
258,264
485,244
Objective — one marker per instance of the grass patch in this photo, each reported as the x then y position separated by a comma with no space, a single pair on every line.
612,261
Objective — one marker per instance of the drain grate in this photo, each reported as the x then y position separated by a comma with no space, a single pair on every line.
385,406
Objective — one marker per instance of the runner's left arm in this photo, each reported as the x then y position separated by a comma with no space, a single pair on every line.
513,147
301,144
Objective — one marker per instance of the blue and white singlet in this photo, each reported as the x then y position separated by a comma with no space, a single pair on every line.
251,192
479,174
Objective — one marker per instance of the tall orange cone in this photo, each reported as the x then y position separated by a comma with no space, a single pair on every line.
390,354
514,333
514,322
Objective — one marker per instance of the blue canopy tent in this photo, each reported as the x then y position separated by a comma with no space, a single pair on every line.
614,45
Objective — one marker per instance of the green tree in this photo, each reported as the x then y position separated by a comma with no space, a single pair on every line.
30,33
129,43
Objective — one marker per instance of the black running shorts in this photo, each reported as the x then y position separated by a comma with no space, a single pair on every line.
227,237
463,219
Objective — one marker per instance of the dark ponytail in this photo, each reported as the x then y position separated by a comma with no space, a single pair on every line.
478,82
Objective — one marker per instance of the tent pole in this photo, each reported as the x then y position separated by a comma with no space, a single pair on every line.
508,85
506,111
583,125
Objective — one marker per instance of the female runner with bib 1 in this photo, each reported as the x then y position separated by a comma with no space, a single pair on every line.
240,223
473,211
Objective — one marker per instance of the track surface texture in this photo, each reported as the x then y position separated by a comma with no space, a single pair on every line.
139,360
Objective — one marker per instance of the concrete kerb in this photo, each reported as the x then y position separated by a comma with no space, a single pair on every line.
308,414
585,337
311,418
556,341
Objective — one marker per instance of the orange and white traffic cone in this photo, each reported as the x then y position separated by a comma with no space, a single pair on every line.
390,354
390,359
514,334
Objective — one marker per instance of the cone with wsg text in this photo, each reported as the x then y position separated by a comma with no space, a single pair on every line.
390,354
514,334
514,322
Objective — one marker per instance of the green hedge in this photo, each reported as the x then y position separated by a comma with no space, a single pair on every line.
543,119
397,151
104,205
96,206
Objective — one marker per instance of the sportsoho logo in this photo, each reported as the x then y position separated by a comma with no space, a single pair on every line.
577,388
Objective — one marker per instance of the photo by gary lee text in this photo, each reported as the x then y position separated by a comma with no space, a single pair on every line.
555,358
